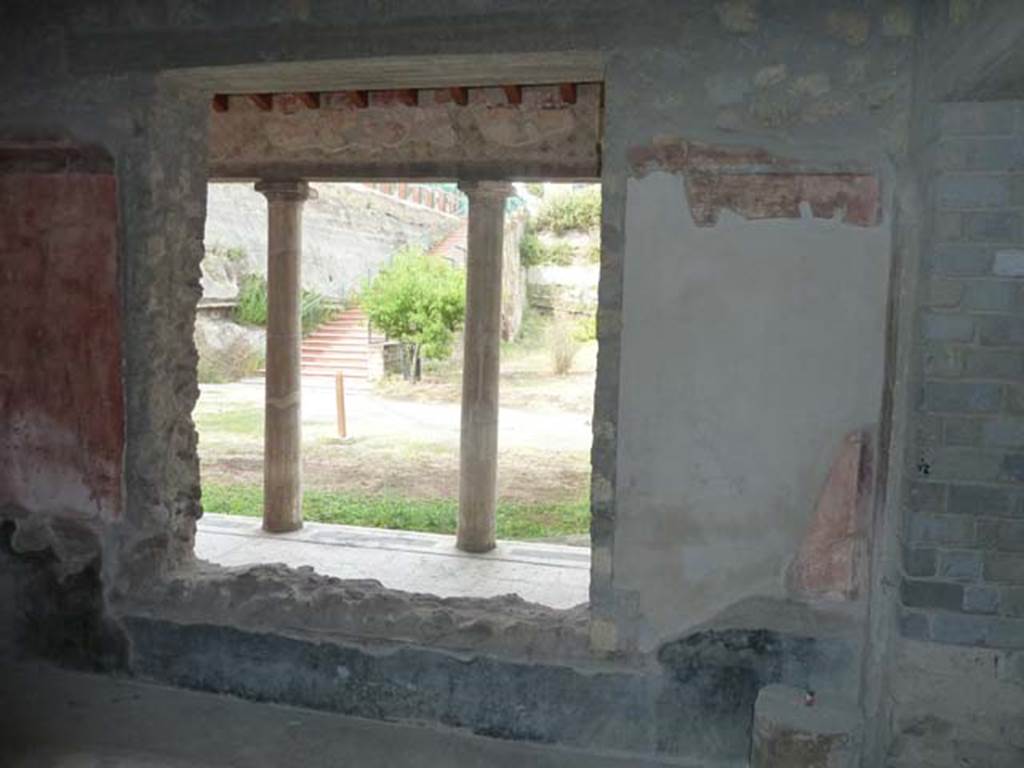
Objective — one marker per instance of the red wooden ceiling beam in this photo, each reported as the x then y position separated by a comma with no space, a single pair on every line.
310,98
263,101
219,102
514,93
568,93
460,96
361,99
408,96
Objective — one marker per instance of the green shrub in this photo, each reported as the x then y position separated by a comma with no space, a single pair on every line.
535,188
420,300
586,329
252,301
533,251
232,253
529,249
577,211
252,305
560,254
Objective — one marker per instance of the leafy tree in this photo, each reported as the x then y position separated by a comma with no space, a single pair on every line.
420,300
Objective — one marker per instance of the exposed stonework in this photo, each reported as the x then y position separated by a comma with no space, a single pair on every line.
852,198
326,607
758,185
963,556
830,562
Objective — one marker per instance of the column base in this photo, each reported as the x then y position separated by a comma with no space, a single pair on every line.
474,547
281,528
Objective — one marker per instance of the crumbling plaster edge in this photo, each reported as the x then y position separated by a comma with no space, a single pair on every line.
275,599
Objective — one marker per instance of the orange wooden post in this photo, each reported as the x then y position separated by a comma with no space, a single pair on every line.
339,390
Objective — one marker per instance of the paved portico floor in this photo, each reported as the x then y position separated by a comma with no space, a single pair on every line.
551,574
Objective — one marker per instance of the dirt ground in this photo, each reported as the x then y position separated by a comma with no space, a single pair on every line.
412,470
526,380
404,438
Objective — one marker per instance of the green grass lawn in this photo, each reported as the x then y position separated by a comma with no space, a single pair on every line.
238,421
516,520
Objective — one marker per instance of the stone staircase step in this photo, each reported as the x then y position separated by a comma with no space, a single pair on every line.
354,346
342,344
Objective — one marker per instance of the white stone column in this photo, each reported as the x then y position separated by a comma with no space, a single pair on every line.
478,449
282,427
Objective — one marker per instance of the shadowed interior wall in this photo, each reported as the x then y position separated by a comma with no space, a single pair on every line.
741,338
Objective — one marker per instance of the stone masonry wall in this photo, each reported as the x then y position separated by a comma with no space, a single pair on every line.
963,536
348,234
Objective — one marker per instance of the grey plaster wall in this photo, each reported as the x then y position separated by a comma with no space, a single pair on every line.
762,344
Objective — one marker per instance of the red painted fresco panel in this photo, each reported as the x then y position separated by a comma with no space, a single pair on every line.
61,396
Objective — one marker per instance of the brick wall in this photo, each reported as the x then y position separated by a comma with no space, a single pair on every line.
963,531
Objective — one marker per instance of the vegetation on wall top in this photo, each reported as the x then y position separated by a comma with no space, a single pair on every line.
533,251
578,211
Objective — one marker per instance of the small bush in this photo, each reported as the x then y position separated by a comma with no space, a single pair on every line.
578,211
252,305
560,254
534,252
529,249
562,344
252,301
232,254
535,188
586,329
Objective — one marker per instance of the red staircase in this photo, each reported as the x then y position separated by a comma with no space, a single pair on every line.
453,247
341,344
